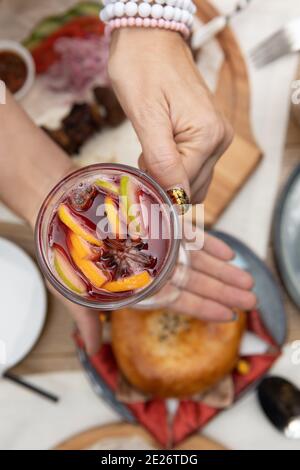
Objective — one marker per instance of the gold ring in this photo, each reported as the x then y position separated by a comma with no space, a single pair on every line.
179,197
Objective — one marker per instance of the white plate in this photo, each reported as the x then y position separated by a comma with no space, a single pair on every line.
22,304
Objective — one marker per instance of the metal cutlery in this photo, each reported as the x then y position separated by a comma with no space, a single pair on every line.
29,386
280,401
281,43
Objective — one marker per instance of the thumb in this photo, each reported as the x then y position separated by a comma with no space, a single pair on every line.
86,320
89,326
161,158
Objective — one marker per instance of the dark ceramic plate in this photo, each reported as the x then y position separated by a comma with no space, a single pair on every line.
270,303
286,235
270,307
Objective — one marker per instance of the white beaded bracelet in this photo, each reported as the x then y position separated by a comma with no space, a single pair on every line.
144,10
185,4
158,13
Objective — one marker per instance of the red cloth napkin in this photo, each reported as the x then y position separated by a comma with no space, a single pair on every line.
190,415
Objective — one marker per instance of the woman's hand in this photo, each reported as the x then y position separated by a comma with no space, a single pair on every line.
214,288
159,87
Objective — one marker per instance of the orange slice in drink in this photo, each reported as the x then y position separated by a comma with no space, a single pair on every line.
136,281
83,248
74,224
91,271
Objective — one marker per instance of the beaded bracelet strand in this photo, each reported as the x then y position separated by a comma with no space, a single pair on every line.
118,14
148,23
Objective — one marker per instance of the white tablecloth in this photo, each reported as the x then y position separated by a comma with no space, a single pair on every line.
30,422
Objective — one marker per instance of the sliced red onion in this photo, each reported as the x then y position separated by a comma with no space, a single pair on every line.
82,63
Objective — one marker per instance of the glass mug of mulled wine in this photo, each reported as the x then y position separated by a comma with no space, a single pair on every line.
108,236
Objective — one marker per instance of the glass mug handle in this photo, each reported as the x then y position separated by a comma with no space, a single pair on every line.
171,290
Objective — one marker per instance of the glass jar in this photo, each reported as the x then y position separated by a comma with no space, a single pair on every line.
161,291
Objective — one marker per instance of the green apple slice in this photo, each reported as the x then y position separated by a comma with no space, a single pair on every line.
67,273
116,223
107,186
131,207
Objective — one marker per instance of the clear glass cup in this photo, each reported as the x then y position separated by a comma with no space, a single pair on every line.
161,291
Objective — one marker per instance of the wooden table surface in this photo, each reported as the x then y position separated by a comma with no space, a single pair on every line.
55,349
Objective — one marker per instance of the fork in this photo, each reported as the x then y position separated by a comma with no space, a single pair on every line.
281,43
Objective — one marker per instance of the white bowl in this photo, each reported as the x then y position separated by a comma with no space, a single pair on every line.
13,46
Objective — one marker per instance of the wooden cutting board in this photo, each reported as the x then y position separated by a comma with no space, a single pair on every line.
233,96
115,436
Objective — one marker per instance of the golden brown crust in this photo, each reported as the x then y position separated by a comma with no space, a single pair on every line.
170,355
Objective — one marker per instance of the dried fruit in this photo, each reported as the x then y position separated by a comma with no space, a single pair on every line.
243,367
82,197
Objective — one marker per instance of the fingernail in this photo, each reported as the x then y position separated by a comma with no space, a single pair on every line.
233,317
179,198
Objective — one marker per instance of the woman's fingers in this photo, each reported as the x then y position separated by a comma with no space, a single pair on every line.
207,287
214,288
224,272
89,326
217,248
159,150
87,322
202,308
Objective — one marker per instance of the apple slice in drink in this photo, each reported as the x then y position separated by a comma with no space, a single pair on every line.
116,225
76,225
107,186
130,203
67,273
136,281
91,271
